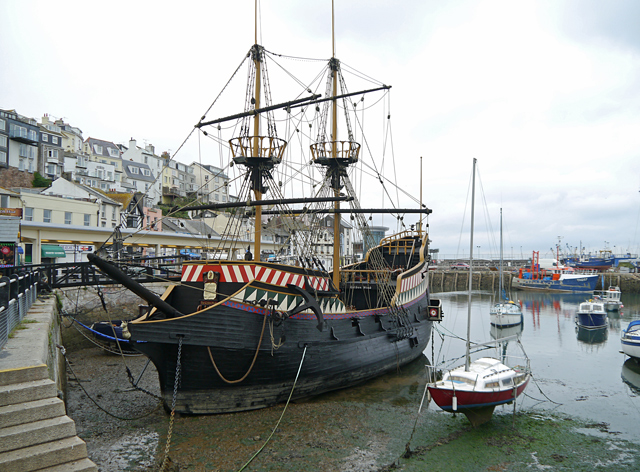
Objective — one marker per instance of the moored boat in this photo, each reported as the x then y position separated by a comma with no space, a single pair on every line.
557,279
630,339
591,314
505,312
611,298
237,335
478,386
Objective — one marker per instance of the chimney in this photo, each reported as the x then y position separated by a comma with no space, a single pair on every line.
132,143
150,148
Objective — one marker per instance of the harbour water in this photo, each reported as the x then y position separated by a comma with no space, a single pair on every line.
577,372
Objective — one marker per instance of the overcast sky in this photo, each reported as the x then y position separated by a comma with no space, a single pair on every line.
544,94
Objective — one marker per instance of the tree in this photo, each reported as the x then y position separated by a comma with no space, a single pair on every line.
39,181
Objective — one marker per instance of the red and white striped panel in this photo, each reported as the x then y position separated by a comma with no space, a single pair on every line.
246,273
411,282
238,273
228,273
191,273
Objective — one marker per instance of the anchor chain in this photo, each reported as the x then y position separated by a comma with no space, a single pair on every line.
173,407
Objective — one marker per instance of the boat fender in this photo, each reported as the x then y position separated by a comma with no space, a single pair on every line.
454,403
308,303
126,334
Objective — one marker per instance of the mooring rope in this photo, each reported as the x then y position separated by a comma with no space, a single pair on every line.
255,356
281,416
64,354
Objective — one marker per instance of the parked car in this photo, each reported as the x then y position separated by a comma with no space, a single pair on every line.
459,266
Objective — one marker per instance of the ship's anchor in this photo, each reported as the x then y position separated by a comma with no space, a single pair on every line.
310,303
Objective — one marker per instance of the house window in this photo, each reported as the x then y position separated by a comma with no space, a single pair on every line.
113,152
133,170
46,216
3,125
87,219
67,217
3,141
54,139
113,213
30,166
21,164
104,211
97,149
3,157
28,214
146,172
45,137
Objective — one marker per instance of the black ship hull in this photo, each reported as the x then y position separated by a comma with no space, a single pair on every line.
347,352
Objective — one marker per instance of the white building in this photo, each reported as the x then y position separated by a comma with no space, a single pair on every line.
155,164
211,183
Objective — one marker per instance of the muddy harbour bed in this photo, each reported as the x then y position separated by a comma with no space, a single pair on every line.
565,422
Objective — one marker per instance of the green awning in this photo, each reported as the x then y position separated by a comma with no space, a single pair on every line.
52,250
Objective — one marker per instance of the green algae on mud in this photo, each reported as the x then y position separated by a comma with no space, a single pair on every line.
360,429
550,442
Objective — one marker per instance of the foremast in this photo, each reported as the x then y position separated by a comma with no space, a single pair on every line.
260,152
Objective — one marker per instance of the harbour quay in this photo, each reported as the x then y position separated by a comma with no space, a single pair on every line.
447,280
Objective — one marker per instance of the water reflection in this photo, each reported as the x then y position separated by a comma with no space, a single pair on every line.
631,375
592,335
565,360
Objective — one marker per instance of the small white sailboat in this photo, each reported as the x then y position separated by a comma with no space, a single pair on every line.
475,388
506,312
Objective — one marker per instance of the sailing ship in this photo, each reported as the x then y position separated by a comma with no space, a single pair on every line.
476,387
506,312
237,335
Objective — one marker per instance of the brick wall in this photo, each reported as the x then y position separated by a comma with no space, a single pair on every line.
12,177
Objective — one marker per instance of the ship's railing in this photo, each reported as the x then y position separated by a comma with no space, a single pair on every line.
17,294
267,146
347,150
368,276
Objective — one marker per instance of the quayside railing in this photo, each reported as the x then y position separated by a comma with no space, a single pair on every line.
17,294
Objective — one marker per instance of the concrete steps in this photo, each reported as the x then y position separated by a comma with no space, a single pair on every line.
36,434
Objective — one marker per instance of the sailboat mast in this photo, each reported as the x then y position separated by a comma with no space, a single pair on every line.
473,200
256,140
501,272
420,224
334,153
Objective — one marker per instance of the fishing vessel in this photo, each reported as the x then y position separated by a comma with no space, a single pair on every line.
506,312
237,335
553,279
611,297
476,387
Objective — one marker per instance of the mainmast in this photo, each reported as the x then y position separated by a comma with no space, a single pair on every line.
257,192
334,152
